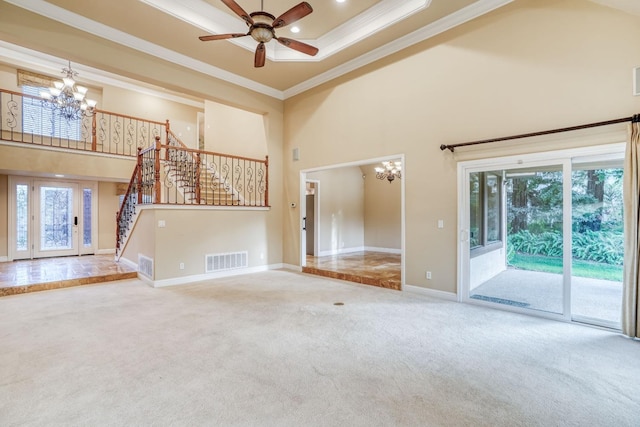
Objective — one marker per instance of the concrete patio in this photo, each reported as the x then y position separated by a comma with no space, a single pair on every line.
592,298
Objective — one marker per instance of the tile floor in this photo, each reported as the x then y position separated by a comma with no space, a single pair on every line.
370,268
18,277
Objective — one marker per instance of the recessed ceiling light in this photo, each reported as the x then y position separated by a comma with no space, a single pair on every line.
340,1
59,175
295,29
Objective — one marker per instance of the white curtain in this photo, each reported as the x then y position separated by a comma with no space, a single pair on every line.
631,188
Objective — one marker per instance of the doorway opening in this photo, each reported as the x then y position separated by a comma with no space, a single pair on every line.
545,236
346,232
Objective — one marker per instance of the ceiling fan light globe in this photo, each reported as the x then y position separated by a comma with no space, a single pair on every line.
261,34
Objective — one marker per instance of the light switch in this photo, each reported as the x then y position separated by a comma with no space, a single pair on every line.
440,223
161,223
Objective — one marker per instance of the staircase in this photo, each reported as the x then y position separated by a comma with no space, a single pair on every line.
202,186
166,171
178,175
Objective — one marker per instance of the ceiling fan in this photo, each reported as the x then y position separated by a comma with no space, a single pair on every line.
262,27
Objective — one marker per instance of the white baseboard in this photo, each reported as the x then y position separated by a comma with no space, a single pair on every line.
201,277
385,250
129,263
449,296
105,251
4,259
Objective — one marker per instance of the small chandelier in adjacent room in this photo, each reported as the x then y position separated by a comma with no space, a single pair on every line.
67,99
389,171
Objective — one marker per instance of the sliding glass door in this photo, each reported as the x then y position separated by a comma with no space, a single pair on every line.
523,268
598,242
544,236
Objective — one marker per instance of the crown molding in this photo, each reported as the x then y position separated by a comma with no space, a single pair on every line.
71,19
214,21
79,22
44,63
627,6
457,18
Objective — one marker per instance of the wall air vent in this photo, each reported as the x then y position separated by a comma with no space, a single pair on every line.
228,261
636,81
145,266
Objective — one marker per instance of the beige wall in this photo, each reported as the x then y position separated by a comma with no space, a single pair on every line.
382,211
9,78
182,118
205,232
4,221
145,241
108,205
531,65
341,195
235,131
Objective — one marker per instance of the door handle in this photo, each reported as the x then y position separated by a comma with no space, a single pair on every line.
75,220
304,223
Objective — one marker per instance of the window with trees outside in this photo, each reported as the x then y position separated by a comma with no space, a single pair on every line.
486,212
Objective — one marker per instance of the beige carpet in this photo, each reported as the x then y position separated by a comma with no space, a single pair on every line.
273,349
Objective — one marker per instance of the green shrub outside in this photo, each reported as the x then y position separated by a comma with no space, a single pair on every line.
598,246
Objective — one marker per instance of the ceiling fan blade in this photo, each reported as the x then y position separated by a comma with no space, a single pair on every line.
221,36
238,10
293,14
299,46
261,54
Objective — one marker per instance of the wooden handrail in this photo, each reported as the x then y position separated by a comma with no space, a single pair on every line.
213,153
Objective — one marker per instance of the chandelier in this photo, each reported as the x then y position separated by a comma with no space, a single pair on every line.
389,171
67,99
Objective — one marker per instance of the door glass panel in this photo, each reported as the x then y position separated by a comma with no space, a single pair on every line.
525,269
86,217
56,218
22,217
597,243
476,208
492,181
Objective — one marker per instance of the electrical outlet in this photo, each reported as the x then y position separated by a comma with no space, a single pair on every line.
182,266
428,275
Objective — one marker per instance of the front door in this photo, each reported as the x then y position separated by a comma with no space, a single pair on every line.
56,219
50,218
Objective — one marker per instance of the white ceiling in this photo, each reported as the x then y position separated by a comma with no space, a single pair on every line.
348,35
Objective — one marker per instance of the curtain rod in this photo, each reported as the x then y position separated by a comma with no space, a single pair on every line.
451,147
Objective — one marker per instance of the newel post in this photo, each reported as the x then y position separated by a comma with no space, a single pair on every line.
139,177
156,185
